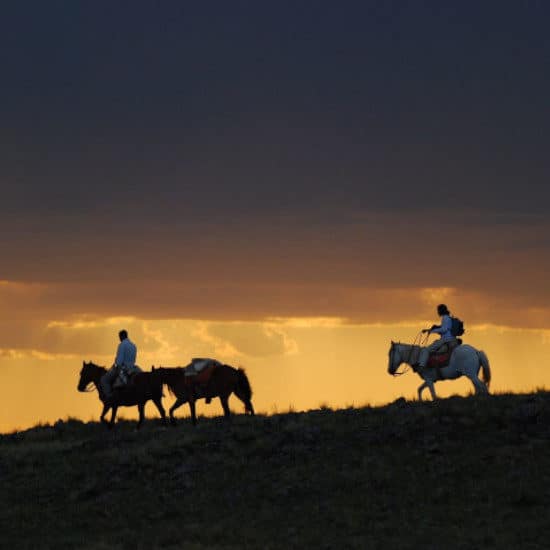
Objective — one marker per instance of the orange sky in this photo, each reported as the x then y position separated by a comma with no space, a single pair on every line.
292,363
291,304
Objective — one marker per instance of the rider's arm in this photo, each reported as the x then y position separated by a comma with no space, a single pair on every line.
444,327
119,359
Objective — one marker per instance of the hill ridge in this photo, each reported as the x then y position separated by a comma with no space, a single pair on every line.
457,472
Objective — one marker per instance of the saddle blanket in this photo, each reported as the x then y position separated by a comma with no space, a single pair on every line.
124,375
439,360
197,365
442,356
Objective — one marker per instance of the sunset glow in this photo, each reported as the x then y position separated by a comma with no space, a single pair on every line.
281,188
296,364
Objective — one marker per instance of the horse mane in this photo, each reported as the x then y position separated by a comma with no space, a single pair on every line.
92,364
411,346
170,373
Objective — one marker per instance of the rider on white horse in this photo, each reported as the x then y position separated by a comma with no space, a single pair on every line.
446,336
465,360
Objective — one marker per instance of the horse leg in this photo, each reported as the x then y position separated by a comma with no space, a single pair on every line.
192,409
225,406
179,402
248,408
158,404
103,413
421,388
113,416
141,409
479,386
427,384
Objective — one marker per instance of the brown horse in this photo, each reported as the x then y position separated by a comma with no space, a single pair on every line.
222,382
143,386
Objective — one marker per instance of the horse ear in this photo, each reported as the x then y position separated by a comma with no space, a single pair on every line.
152,367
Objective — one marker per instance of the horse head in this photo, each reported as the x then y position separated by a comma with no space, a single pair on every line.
88,374
164,375
394,359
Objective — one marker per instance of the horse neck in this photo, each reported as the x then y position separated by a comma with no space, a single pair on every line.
408,351
170,377
99,372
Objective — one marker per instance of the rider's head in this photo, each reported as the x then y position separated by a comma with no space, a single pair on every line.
442,309
123,335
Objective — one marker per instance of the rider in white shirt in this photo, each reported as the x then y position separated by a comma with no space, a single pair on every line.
444,331
124,365
126,352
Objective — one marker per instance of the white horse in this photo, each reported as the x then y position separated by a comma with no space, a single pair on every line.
465,361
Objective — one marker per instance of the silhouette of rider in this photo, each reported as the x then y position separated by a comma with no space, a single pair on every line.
444,331
124,366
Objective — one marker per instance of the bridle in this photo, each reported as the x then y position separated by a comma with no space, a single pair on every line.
392,352
418,341
91,385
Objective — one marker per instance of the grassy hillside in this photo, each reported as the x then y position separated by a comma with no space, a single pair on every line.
459,473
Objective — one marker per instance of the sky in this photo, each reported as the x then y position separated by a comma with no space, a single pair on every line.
286,186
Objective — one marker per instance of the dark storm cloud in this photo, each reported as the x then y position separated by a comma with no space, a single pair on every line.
253,150
244,106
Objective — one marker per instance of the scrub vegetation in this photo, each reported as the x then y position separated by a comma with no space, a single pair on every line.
460,473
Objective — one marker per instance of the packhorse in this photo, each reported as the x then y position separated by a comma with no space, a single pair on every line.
142,388
465,360
218,380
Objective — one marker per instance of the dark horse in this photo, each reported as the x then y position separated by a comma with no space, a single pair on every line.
223,381
143,386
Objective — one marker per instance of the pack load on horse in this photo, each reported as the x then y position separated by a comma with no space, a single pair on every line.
198,373
125,375
210,379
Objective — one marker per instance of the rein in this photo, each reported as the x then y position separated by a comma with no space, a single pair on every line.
419,341
91,386
407,369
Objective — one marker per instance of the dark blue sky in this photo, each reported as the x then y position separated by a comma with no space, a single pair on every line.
276,104
262,130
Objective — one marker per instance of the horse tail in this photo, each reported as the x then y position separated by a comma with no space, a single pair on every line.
244,390
244,384
486,369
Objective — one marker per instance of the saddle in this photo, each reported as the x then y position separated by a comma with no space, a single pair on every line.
442,356
197,375
125,376
201,377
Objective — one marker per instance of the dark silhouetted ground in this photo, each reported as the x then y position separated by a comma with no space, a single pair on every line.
465,473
